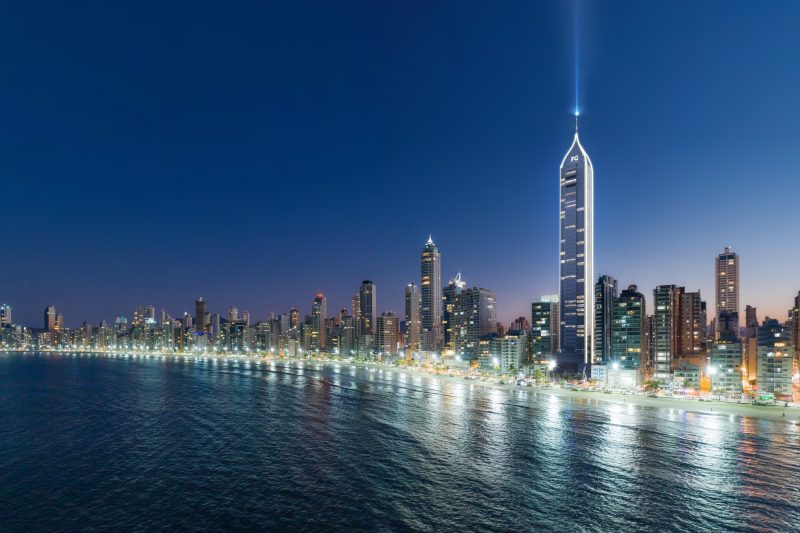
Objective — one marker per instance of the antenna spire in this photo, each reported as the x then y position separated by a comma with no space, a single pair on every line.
576,121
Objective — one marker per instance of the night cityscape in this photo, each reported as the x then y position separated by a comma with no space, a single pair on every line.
506,252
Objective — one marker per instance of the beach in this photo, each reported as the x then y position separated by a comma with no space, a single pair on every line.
789,414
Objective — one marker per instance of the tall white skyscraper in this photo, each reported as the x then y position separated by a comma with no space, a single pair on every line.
576,256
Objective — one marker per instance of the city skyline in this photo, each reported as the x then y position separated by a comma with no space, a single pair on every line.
126,170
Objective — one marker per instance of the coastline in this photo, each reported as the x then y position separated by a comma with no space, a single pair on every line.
789,414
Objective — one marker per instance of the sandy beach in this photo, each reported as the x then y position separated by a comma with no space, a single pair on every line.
778,412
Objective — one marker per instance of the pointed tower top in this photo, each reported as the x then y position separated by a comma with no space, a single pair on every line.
430,239
577,114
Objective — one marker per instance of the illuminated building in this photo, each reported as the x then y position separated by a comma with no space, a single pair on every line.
666,302
576,256
727,282
474,315
794,321
449,296
605,291
412,303
387,334
368,305
200,315
319,311
5,315
50,318
628,335
725,363
431,293
544,328
775,359
692,324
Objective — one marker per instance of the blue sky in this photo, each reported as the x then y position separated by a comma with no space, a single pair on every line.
257,153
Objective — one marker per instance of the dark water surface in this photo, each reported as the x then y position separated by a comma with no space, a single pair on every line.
89,442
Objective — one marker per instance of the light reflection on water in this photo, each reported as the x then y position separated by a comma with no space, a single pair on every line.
201,443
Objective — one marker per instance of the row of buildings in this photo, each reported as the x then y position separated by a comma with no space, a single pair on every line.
590,327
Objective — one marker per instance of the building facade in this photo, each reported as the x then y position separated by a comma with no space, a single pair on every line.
430,296
387,334
666,301
628,332
544,328
775,359
413,325
605,292
368,307
576,256
727,282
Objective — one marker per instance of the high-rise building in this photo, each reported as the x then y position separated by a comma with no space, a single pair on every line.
605,291
449,297
412,298
368,304
200,315
544,328
431,293
357,314
50,318
751,319
294,319
775,359
725,361
629,332
233,313
727,282
795,323
692,325
387,334
510,350
666,318
319,311
474,315
5,315
576,256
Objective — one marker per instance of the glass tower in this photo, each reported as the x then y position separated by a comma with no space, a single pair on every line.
430,312
576,257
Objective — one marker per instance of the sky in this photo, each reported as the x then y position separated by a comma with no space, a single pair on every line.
258,153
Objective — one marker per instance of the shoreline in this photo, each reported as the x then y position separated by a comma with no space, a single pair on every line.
790,414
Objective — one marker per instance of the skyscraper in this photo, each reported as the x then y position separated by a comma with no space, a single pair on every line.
412,317
629,331
727,282
50,318
544,327
605,291
576,256
5,315
387,333
474,315
775,359
795,324
319,311
692,325
357,314
666,301
431,293
449,297
200,315
368,303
